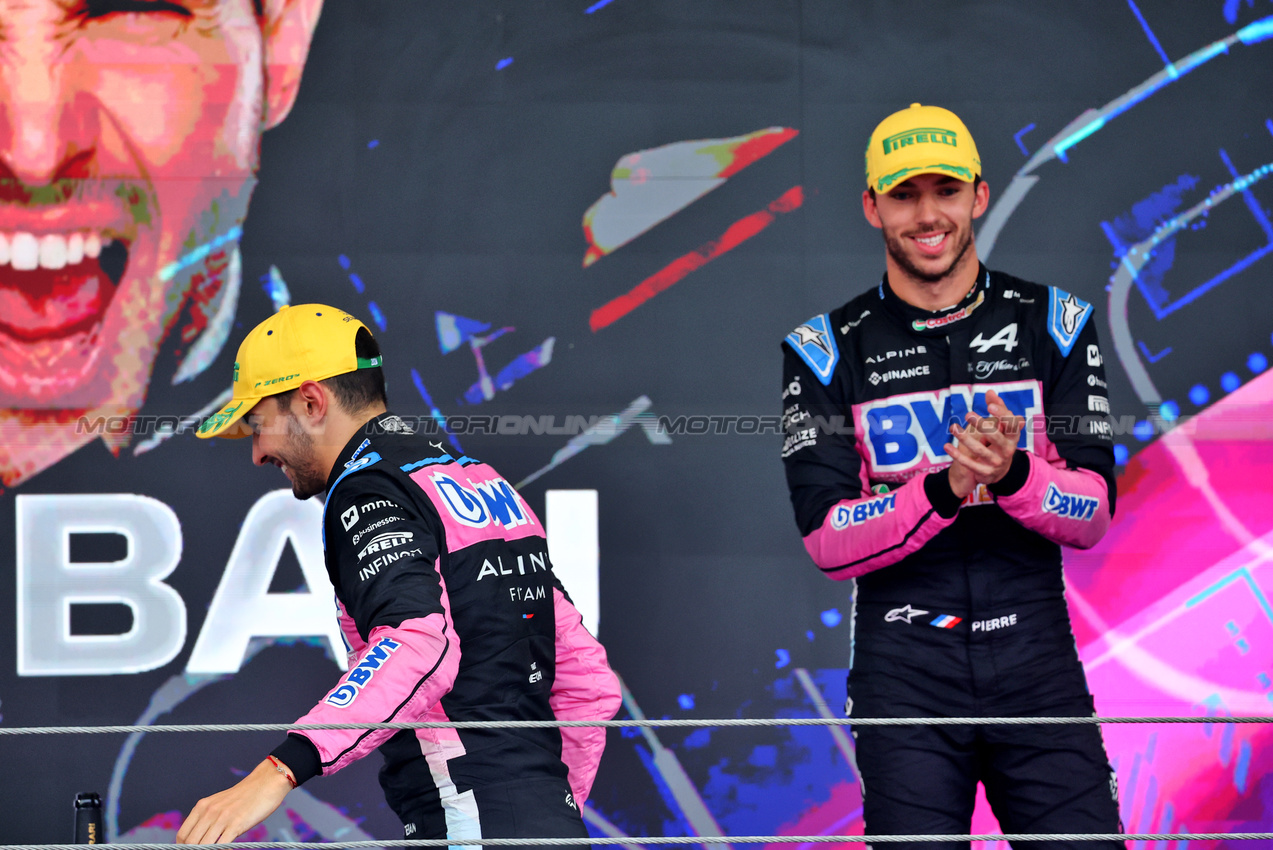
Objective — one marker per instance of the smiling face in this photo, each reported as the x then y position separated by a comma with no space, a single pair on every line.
129,140
279,439
927,226
128,137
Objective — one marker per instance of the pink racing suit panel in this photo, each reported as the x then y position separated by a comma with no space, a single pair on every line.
476,504
861,535
400,674
584,688
1067,506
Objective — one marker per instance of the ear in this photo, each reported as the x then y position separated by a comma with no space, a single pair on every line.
869,209
982,201
310,403
287,27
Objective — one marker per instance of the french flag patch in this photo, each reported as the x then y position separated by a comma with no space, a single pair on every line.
945,621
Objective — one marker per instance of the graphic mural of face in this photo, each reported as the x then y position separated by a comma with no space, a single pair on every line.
129,144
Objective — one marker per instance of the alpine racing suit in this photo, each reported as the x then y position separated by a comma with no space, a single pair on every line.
959,607
451,611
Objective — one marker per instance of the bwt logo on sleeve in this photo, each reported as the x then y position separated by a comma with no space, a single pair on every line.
485,501
1069,505
845,515
358,677
902,432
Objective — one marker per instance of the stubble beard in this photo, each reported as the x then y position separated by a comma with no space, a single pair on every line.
893,244
307,479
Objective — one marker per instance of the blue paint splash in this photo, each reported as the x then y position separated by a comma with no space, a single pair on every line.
1016,137
1153,39
433,409
1138,224
275,287
785,770
198,254
376,315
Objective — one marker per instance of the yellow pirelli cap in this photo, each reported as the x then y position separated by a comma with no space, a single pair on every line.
308,342
920,140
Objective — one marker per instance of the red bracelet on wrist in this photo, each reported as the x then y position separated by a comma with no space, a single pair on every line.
278,765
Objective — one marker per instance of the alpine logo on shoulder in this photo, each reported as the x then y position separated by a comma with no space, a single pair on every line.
813,342
1067,315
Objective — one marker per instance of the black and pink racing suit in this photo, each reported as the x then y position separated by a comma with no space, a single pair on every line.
959,606
451,610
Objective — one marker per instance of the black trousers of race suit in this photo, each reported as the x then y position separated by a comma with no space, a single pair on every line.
922,780
518,808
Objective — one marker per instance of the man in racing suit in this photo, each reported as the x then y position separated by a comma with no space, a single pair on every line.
946,433
446,598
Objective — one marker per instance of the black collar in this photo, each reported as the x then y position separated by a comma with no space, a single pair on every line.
936,323
361,440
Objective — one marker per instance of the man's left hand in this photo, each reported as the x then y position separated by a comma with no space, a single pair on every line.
987,444
225,816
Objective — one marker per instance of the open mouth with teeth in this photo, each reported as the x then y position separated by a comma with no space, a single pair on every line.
931,241
53,285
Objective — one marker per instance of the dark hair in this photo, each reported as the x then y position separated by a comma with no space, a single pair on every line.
976,181
357,390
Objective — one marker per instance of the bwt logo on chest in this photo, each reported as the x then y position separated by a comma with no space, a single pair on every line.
911,430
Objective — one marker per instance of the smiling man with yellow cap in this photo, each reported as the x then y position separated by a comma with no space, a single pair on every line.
948,501
435,632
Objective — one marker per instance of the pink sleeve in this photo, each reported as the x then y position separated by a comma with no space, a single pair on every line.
584,688
400,674
861,535
1067,506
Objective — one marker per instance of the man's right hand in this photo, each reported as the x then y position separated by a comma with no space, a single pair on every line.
225,816
962,479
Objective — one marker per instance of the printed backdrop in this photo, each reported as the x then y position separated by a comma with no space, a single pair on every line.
580,233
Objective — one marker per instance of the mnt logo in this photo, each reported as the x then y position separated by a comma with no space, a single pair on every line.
358,677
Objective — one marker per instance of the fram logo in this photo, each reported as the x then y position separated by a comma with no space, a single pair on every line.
480,503
855,514
911,430
357,678
1071,505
